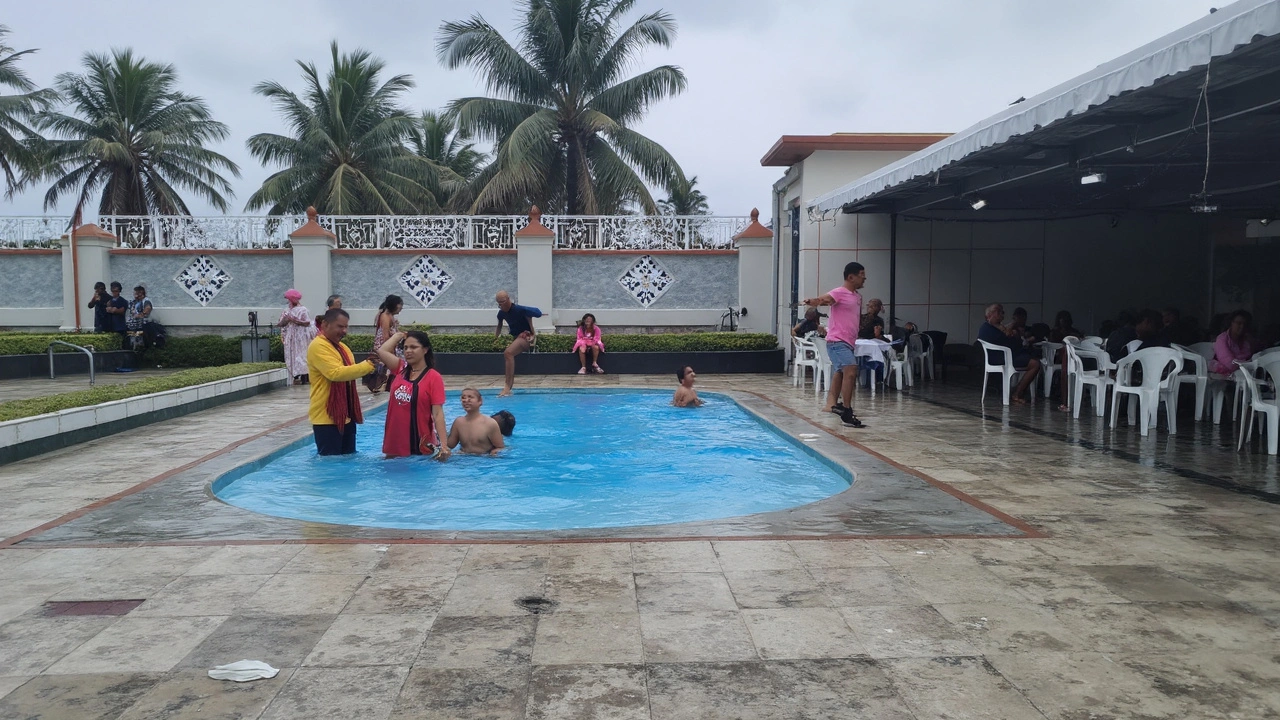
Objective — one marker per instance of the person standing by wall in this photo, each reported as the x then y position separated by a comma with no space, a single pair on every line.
335,405
98,303
117,307
843,323
296,334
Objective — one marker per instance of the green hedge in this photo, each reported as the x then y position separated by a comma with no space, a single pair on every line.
215,350
14,343
15,409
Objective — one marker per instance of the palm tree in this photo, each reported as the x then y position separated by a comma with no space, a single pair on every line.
131,134
685,200
561,119
18,157
347,153
436,137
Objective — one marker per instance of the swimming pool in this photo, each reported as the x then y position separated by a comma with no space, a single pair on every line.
577,459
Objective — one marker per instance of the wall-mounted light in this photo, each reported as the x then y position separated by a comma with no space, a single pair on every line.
1092,178
978,204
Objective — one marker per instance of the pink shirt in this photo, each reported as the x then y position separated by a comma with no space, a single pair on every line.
1226,352
845,316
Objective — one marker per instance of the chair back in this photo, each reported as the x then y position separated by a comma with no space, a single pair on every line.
1193,361
916,343
1203,349
1075,365
1267,352
988,348
1244,376
1153,362
1093,340
820,347
1049,351
1271,364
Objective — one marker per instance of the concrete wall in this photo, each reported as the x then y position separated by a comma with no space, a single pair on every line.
702,280
31,279
258,278
364,279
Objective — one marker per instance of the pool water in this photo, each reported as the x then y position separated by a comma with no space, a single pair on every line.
577,459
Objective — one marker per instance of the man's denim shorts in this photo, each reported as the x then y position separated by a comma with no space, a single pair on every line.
841,354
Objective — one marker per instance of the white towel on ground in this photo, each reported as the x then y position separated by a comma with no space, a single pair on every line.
243,671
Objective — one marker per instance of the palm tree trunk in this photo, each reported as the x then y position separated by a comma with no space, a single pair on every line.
573,204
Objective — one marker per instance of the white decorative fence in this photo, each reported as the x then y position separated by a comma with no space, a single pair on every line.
427,232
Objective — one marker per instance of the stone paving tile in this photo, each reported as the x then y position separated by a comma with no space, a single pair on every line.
32,643
161,560
588,639
9,684
138,644
601,592
836,553
303,594
492,593
1226,626
889,631
992,627
194,595
776,589
683,592
1120,629
1149,584
246,560
851,689
489,693
695,637
506,558
866,586
422,560
588,692
1215,684
934,687
802,633
736,556
1057,586
660,557
1061,684
77,697
193,695
77,563
958,584
19,597
397,594
590,558
356,640
124,587
918,552
367,693
340,559
281,641
478,642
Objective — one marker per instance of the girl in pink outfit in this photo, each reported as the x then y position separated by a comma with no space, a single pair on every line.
1233,344
589,343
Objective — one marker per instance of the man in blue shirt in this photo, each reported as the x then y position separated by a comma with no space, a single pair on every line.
519,321
993,332
117,307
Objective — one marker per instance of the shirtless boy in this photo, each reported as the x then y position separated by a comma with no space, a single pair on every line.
479,434
686,396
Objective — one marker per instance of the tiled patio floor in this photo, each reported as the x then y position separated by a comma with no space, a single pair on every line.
1154,596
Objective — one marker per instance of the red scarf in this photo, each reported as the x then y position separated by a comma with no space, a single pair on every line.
343,400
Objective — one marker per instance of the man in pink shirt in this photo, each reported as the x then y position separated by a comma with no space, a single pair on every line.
842,332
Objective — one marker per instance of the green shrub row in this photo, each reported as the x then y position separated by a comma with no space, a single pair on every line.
37,343
215,350
14,409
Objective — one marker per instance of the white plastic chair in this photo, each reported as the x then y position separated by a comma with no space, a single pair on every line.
1216,384
1049,364
922,352
1098,380
1093,340
1253,404
1199,376
899,366
805,355
1007,372
1153,389
822,374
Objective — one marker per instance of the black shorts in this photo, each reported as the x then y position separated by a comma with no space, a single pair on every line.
330,442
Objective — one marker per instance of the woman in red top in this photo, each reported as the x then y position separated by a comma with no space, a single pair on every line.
415,410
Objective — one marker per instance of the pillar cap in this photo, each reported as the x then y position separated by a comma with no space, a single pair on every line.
754,229
312,228
93,231
535,228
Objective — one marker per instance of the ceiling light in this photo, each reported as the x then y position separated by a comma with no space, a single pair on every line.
978,204
1093,177
1204,208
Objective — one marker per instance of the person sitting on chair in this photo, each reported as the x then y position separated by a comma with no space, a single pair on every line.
810,324
871,324
993,332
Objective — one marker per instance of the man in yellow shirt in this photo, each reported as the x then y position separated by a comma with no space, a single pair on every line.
335,405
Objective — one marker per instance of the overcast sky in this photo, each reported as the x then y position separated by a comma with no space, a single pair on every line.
757,70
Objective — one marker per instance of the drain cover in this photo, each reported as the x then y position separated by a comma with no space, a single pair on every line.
536,605
58,608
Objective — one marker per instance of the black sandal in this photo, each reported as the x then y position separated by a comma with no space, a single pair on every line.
851,420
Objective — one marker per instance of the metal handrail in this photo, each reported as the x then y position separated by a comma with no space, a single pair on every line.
88,350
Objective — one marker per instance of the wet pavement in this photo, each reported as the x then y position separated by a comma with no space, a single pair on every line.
23,388
1152,594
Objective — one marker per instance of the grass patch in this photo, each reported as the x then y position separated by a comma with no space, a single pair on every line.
30,407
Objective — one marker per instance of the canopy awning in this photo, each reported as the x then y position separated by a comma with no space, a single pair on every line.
1080,121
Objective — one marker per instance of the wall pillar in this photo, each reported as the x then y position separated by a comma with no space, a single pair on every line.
534,245
755,275
89,261
312,266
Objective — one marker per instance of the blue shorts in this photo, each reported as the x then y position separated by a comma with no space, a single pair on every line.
841,354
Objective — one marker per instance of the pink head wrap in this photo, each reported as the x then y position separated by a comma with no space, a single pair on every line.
292,294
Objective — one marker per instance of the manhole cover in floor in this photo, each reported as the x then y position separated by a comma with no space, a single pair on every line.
536,605
59,608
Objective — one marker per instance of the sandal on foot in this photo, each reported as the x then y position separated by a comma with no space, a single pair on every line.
582,371
596,369
851,420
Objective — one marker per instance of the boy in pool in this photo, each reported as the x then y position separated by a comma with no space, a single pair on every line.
506,422
685,395
479,434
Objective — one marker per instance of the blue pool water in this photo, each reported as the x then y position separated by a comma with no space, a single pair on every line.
578,459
